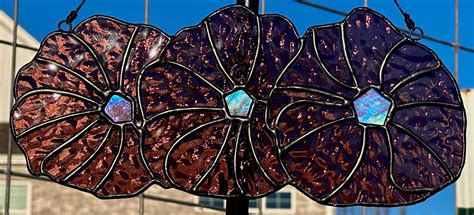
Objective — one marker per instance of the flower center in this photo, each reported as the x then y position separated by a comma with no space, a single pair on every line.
372,108
239,104
119,109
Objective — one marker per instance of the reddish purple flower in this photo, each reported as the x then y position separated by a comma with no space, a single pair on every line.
205,129
76,117
367,116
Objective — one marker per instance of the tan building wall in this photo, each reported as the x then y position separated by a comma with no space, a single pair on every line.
23,57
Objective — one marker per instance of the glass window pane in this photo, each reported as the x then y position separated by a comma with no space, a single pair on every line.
253,203
18,197
271,205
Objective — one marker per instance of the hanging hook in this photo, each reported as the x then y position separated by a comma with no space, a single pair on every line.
71,17
414,29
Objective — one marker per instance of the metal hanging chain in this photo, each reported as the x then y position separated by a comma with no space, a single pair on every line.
411,24
71,17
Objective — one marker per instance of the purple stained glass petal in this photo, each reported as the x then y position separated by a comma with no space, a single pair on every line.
407,103
119,109
67,120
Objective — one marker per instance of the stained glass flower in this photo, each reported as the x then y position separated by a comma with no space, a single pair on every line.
76,116
367,116
205,130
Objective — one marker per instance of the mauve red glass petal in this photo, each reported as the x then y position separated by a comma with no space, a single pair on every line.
169,87
436,86
109,40
222,180
414,166
40,109
265,147
369,38
308,72
235,35
40,142
147,47
43,75
331,52
406,59
251,176
303,117
91,174
160,133
371,184
191,49
440,128
282,97
320,162
70,51
279,44
62,163
193,154
129,175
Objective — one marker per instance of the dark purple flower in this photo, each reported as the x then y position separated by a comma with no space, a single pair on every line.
205,129
367,116
76,117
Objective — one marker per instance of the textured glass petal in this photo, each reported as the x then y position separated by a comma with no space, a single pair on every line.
369,38
41,109
371,184
77,103
70,51
404,60
191,156
45,75
190,48
146,48
440,128
279,44
235,35
414,167
129,175
265,147
331,52
321,161
108,39
436,86
161,132
308,72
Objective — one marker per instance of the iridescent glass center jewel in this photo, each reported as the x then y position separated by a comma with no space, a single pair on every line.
239,103
119,109
372,108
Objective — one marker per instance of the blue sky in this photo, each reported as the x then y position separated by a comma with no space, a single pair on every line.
434,16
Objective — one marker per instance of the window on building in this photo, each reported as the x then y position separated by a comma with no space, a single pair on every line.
218,203
282,201
18,199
